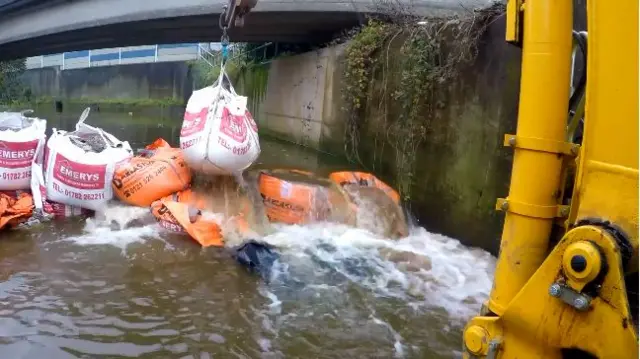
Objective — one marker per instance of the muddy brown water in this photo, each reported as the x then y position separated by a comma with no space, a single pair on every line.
104,288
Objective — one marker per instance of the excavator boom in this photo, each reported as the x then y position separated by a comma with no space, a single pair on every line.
568,299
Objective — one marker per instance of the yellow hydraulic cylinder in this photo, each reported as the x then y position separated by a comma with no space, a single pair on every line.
535,179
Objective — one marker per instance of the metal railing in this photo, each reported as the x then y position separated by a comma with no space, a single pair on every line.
147,54
116,56
214,58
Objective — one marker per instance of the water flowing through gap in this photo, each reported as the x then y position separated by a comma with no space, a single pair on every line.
117,286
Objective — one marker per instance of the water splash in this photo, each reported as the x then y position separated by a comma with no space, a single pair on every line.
118,225
332,272
424,268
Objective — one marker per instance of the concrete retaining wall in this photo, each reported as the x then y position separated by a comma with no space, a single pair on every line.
463,166
299,103
136,81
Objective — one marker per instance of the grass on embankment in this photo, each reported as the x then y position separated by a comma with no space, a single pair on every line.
100,101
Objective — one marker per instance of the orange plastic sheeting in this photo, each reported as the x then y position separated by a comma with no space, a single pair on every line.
364,179
287,202
15,210
143,179
181,213
204,231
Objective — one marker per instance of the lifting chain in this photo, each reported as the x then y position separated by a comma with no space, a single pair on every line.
224,40
233,13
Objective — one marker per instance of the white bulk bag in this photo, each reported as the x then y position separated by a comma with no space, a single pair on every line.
20,137
75,174
218,134
39,193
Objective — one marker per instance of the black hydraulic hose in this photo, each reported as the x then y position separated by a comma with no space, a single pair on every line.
577,100
581,40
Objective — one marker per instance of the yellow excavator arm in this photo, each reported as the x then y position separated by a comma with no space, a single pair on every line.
568,299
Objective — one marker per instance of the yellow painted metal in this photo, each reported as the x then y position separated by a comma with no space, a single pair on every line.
541,144
529,210
607,180
537,326
527,321
513,21
535,179
476,339
591,254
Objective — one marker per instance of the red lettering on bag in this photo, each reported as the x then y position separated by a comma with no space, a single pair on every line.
17,154
194,122
233,126
78,175
223,143
252,122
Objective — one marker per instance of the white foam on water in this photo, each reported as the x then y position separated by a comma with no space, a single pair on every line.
424,268
115,226
434,276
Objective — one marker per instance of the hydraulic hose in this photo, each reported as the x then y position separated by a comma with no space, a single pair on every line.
577,99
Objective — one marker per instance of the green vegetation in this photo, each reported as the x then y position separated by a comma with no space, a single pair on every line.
11,89
101,101
246,58
247,68
400,96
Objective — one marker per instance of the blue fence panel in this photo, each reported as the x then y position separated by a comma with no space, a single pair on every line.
76,54
104,57
143,54
138,53
173,46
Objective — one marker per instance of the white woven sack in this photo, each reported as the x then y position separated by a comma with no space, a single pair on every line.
20,137
219,135
77,177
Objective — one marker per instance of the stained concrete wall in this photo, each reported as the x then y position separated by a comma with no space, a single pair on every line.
135,81
300,100
463,166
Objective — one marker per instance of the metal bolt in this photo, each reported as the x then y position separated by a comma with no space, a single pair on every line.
555,290
580,303
574,150
512,141
505,206
564,211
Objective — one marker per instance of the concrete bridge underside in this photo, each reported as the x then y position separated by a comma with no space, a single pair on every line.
35,27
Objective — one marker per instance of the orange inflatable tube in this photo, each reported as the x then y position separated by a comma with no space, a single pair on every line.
297,202
143,179
179,213
285,201
364,179
15,210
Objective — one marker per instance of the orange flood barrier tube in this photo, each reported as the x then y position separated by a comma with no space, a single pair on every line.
296,201
182,213
287,201
364,179
159,172
15,210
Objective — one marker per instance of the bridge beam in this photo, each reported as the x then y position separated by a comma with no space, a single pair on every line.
57,26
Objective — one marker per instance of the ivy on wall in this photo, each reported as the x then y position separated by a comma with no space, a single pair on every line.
397,70
11,88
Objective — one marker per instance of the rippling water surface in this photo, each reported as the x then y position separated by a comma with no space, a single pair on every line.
116,286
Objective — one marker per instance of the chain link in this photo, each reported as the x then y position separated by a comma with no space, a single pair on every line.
224,40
